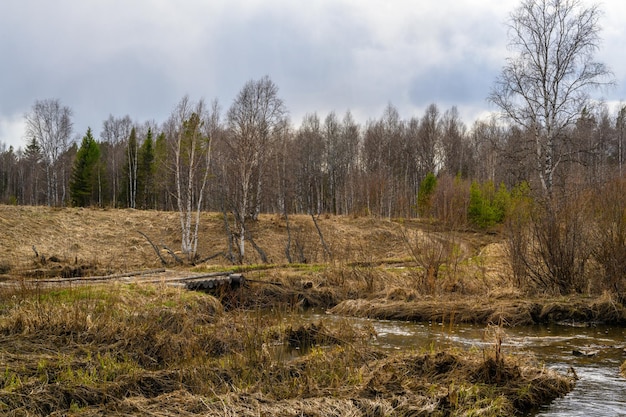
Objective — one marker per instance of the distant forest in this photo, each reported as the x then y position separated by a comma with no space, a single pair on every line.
328,164
549,174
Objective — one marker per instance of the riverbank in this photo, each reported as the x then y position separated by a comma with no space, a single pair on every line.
154,350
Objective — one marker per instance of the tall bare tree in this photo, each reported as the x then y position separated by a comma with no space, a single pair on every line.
253,119
50,125
308,155
349,162
429,143
116,131
620,126
454,146
189,128
545,85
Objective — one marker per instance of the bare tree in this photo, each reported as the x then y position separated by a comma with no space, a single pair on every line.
382,147
429,141
115,131
49,124
190,128
545,85
350,145
454,145
253,120
620,126
308,155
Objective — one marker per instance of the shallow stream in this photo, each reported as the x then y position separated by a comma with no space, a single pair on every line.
600,390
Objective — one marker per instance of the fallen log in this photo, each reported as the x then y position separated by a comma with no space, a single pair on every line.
100,277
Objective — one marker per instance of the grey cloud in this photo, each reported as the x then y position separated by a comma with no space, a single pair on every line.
457,84
140,57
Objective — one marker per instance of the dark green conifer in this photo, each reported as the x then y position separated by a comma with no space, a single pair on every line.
145,174
84,183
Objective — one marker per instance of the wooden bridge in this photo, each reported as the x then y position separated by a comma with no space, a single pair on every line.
196,282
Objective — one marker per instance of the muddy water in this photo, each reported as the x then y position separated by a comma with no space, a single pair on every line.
600,390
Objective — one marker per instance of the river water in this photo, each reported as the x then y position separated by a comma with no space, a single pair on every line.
600,390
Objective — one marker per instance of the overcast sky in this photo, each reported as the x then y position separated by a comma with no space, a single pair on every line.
140,57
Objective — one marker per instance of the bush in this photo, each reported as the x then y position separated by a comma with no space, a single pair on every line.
424,197
548,242
487,207
450,201
609,235
517,223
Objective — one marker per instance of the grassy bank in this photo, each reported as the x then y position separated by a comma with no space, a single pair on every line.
154,350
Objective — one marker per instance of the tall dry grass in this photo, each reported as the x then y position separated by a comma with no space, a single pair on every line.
155,350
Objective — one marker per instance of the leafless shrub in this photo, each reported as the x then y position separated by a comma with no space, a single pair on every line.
451,200
548,243
430,252
609,235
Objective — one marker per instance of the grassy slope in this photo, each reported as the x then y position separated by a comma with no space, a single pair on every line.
110,240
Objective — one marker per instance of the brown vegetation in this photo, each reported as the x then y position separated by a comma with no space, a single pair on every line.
138,348
153,350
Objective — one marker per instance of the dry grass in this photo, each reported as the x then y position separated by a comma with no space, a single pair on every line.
152,350
155,351
108,240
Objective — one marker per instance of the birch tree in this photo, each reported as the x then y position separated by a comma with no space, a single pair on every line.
253,120
50,125
116,131
132,152
545,85
190,130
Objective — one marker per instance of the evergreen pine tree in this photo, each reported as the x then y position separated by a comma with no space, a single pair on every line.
33,151
33,159
145,172
84,181
487,207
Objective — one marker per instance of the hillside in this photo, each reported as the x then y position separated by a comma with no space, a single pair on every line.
110,241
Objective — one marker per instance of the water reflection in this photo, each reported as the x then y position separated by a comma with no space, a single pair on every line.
600,390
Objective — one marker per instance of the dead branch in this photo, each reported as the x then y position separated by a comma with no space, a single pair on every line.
177,259
319,232
102,277
229,236
208,258
156,249
256,247
288,244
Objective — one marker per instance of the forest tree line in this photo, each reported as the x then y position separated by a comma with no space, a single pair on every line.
328,164
251,160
